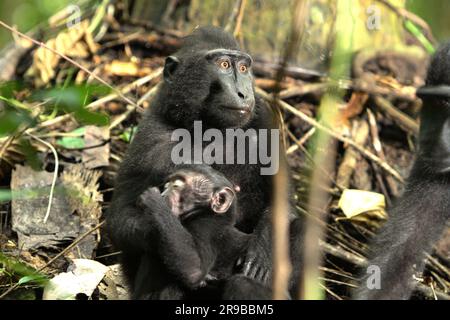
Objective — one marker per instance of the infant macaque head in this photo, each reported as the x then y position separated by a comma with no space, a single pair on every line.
189,190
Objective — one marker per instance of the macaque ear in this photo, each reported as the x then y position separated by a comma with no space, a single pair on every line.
222,200
170,66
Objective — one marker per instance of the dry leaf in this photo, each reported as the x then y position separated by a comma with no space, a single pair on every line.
350,110
68,42
99,156
83,276
126,68
355,202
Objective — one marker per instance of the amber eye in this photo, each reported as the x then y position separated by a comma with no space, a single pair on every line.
224,64
243,68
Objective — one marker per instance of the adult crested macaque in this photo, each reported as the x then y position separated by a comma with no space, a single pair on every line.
209,80
193,220
419,218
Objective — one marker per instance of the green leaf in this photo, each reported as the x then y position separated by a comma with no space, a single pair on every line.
128,134
8,88
11,119
411,27
76,142
26,273
35,279
71,98
5,196
74,99
89,117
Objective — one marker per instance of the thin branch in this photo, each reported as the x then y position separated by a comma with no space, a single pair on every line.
403,120
43,45
334,134
281,260
233,15
55,173
240,17
405,14
73,244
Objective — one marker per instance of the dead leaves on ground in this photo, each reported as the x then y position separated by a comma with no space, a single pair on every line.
74,42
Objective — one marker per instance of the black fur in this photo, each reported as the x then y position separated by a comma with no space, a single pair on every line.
420,216
203,244
188,93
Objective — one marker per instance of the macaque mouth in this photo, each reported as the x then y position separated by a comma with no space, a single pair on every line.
246,109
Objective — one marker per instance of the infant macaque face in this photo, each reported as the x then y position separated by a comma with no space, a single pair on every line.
189,191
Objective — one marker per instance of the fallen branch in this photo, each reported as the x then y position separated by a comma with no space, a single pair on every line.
334,134
405,122
43,45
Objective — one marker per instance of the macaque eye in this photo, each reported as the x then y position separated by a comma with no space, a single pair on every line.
224,64
243,68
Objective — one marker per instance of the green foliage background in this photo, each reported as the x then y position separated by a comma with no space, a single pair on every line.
435,13
26,14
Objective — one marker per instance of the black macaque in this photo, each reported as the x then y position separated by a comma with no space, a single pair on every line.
209,80
193,220
418,219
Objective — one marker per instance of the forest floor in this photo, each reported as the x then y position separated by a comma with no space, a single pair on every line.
42,99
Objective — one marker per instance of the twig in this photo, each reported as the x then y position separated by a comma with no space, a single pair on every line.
349,160
412,17
438,265
281,261
330,292
376,143
334,134
130,109
269,69
240,17
399,117
342,254
55,173
310,158
103,100
170,9
290,51
5,145
139,82
43,45
302,141
362,262
233,15
73,244
303,90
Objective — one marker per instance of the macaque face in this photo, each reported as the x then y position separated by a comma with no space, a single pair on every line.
186,192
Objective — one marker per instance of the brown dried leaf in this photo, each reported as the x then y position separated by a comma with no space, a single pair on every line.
99,156
350,110
355,202
126,68
75,42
